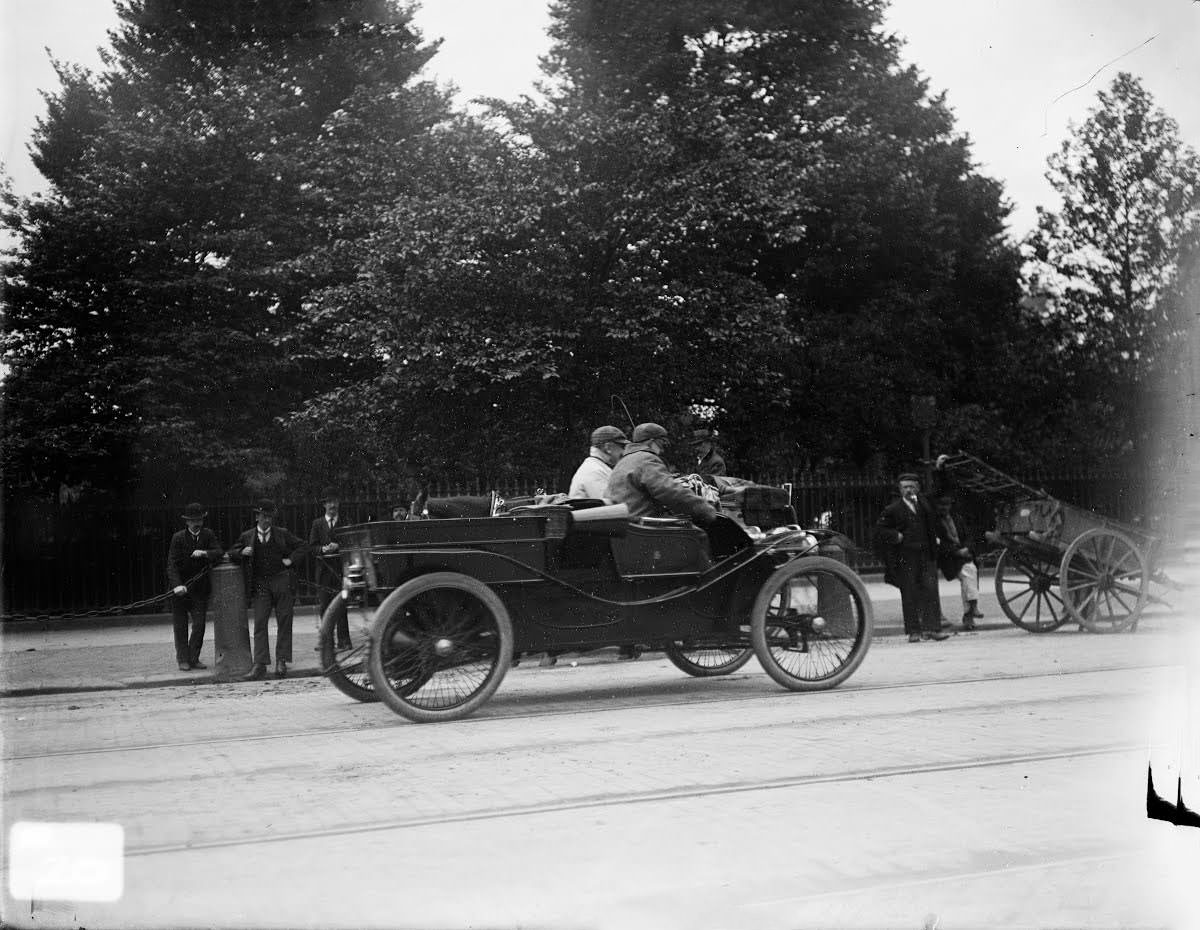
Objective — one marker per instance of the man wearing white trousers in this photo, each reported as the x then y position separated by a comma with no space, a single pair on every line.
956,558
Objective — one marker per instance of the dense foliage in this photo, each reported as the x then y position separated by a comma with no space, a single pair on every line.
198,187
743,208
271,256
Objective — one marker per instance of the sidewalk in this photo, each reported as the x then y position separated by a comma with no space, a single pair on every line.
101,654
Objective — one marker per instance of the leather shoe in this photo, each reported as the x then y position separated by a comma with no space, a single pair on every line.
936,637
184,667
257,673
629,653
281,670
914,637
968,624
198,664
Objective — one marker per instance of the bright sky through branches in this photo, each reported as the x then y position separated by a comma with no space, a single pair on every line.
1014,71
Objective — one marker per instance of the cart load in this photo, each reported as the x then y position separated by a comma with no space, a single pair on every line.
1060,562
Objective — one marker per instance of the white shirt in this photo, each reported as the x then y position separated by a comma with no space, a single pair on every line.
591,479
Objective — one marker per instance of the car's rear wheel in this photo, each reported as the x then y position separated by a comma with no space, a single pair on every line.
346,665
706,661
811,624
440,646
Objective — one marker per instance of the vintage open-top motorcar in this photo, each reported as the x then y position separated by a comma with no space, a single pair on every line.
439,609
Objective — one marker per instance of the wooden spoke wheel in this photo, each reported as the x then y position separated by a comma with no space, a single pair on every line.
811,624
440,646
1105,581
1025,587
707,661
344,661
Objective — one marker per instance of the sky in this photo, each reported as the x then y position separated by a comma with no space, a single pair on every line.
1015,72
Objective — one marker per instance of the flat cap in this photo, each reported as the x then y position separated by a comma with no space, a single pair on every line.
644,432
603,434
908,476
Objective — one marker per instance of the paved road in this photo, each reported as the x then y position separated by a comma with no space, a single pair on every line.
995,779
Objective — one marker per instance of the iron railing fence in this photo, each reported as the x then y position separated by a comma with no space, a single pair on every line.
72,557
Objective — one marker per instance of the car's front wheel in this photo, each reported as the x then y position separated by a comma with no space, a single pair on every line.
440,646
811,623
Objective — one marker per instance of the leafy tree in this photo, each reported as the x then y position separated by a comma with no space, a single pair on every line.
749,207
199,187
1105,267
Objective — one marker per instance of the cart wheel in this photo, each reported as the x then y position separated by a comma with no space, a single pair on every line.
440,646
1104,580
811,623
1025,583
706,661
347,668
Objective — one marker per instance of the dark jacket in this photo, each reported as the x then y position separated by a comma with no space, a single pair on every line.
641,481
181,566
949,561
898,521
711,463
329,565
295,548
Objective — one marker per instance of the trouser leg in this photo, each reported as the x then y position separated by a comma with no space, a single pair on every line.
285,602
968,582
199,621
909,595
324,597
928,596
262,610
179,617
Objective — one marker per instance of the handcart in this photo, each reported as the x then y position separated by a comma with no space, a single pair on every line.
1060,563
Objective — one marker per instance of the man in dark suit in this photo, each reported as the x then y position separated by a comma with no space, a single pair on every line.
329,564
906,536
268,555
190,558
708,457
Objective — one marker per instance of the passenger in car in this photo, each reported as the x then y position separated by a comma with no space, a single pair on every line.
642,482
591,477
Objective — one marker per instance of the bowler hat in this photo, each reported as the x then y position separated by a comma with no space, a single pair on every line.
329,494
702,435
265,506
603,434
194,511
645,432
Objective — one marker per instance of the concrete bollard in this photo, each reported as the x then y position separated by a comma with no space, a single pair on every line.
832,597
231,634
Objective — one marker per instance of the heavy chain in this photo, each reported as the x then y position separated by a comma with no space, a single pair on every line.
101,611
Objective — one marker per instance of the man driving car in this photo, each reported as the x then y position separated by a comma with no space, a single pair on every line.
642,482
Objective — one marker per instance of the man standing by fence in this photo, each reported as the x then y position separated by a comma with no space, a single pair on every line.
190,558
268,554
329,563
907,544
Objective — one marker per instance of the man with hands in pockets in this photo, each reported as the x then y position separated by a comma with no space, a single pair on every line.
268,555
